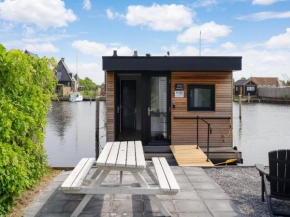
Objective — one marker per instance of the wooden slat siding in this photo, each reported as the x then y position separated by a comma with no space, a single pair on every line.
110,106
184,131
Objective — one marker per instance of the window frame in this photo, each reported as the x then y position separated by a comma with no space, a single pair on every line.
207,86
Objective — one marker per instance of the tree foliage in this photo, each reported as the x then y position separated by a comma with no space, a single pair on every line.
88,84
26,88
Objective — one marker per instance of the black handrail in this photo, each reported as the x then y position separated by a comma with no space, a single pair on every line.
209,129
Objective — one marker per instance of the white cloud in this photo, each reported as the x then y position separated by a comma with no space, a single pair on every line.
265,16
91,70
87,5
263,63
228,46
160,17
28,31
204,3
40,48
265,2
39,12
113,15
281,41
209,33
99,49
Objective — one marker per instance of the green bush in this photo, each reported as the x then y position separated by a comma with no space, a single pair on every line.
26,86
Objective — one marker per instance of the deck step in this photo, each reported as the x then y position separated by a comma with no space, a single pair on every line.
189,155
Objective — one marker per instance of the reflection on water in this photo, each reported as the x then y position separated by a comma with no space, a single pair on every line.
70,133
263,128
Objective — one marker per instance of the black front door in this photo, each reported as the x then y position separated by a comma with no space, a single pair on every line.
128,105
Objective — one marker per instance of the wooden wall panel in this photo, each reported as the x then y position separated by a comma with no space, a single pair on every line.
184,131
110,106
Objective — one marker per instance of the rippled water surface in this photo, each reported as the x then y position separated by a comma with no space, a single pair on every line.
264,127
70,133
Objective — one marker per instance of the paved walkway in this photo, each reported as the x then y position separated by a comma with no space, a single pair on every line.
200,196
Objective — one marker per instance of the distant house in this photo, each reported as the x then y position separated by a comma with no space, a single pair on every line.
31,54
67,80
243,87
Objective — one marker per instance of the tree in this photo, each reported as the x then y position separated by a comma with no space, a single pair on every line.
88,84
27,85
243,78
90,88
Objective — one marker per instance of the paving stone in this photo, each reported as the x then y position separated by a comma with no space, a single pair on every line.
126,215
127,206
34,207
206,186
199,178
127,197
181,178
228,214
197,214
186,195
45,195
190,206
55,215
97,207
102,197
53,185
184,186
213,195
56,206
61,177
193,171
150,207
221,205
112,179
158,214
177,170
161,197
94,215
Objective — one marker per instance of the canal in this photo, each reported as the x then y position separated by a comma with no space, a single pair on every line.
70,133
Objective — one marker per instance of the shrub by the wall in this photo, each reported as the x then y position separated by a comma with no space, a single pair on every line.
26,87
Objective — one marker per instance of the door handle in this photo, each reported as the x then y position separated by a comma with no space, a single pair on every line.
118,109
149,111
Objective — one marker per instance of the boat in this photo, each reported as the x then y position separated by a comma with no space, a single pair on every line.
75,97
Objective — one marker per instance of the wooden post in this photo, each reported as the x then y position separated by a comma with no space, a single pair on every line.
97,148
240,107
249,97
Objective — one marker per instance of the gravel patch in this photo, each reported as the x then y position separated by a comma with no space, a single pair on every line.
244,186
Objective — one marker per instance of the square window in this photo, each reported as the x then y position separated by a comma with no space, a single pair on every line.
201,97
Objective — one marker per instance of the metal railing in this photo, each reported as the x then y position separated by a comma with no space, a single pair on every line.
209,129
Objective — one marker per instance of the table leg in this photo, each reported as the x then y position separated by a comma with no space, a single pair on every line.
86,199
154,198
152,176
121,178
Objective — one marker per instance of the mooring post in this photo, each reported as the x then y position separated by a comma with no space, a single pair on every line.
97,148
240,107
249,97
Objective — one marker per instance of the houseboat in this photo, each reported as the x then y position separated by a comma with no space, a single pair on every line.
172,101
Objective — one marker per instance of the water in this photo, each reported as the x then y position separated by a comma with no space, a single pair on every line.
70,133
264,128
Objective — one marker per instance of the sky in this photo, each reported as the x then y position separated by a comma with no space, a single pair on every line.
82,31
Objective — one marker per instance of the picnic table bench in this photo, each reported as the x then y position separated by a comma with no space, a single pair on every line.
121,156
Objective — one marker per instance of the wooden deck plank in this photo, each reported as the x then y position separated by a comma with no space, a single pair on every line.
189,155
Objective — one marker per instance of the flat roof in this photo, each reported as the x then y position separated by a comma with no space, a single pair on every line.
172,63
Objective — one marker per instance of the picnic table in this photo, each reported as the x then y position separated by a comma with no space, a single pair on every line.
121,156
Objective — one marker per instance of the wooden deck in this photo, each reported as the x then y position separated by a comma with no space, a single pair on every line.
189,155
